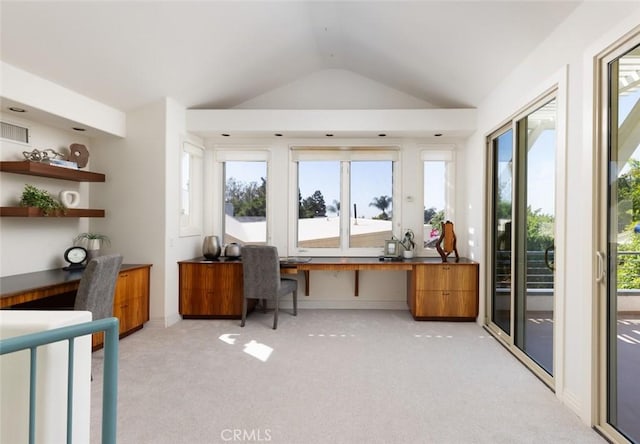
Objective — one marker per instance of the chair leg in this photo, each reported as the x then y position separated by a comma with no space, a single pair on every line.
295,302
275,313
244,311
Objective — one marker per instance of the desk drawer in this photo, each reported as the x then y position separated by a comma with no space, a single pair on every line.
446,304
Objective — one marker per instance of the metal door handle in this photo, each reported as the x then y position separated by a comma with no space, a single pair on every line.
549,265
600,270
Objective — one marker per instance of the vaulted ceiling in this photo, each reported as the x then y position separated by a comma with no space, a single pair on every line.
214,54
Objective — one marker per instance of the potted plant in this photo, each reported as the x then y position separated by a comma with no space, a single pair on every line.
408,243
35,197
93,242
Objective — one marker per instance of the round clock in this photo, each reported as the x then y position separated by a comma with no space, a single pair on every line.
75,256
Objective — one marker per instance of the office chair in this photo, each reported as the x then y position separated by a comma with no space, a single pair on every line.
261,279
97,286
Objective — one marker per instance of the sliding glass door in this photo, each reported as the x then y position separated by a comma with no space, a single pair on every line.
536,151
522,220
620,261
502,215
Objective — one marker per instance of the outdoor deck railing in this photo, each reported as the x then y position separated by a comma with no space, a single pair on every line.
110,386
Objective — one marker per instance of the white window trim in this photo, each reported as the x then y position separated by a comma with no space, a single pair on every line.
236,154
191,225
343,154
446,153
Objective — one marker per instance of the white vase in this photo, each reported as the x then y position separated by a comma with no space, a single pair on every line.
93,248
407,254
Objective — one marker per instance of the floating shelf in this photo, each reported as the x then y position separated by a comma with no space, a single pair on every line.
30,168
37,212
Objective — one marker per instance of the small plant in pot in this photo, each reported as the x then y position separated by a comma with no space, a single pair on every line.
36,197
93,243
408,243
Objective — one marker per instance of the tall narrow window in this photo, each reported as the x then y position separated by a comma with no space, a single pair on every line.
245,202
191,186
438,168
319,204
371,198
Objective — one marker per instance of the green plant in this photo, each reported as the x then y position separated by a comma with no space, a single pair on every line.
91,236
35,197
407,241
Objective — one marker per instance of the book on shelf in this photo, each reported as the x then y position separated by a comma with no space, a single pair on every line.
61,163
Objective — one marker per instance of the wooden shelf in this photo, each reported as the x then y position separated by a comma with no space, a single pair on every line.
37,212
45,170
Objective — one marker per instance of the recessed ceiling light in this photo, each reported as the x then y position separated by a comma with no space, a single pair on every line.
77,128
382,135
15,109
438,134
278,135
329,135
225,135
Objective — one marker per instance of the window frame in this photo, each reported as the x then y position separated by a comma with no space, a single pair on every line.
192,223
344,155
447,154
235,154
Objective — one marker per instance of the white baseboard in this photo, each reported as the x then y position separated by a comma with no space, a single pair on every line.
163,322
572,402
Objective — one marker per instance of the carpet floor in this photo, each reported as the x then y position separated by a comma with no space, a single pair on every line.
329,376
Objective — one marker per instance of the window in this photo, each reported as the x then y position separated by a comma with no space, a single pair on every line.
319,204
191,176
345,201
438,169
245,202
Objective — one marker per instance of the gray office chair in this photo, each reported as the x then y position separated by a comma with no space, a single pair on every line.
261,279
97,286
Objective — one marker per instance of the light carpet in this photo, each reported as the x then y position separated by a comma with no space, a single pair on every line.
329,376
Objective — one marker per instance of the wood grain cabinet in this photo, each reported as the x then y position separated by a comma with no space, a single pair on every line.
130,301
211,290
447,291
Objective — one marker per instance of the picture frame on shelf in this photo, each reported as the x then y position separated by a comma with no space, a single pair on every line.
391,248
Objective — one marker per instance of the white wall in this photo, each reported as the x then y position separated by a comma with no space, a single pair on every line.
58,104
565,51
334,89
142,194
33,244
134,195
178,247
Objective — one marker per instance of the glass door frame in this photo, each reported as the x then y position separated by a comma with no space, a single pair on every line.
602,256
508,339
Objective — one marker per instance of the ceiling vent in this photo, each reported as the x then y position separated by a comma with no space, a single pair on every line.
15,132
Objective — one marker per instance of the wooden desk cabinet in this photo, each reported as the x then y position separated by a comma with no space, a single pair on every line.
443,291
435,290
210,289
130,302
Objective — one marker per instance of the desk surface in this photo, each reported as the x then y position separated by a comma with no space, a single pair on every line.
343,263
44,280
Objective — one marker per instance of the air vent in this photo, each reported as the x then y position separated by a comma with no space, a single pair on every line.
15,132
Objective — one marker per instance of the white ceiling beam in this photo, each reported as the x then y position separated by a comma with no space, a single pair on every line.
315,123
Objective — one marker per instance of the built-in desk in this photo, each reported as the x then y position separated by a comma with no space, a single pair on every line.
39,290
354,264
435,290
